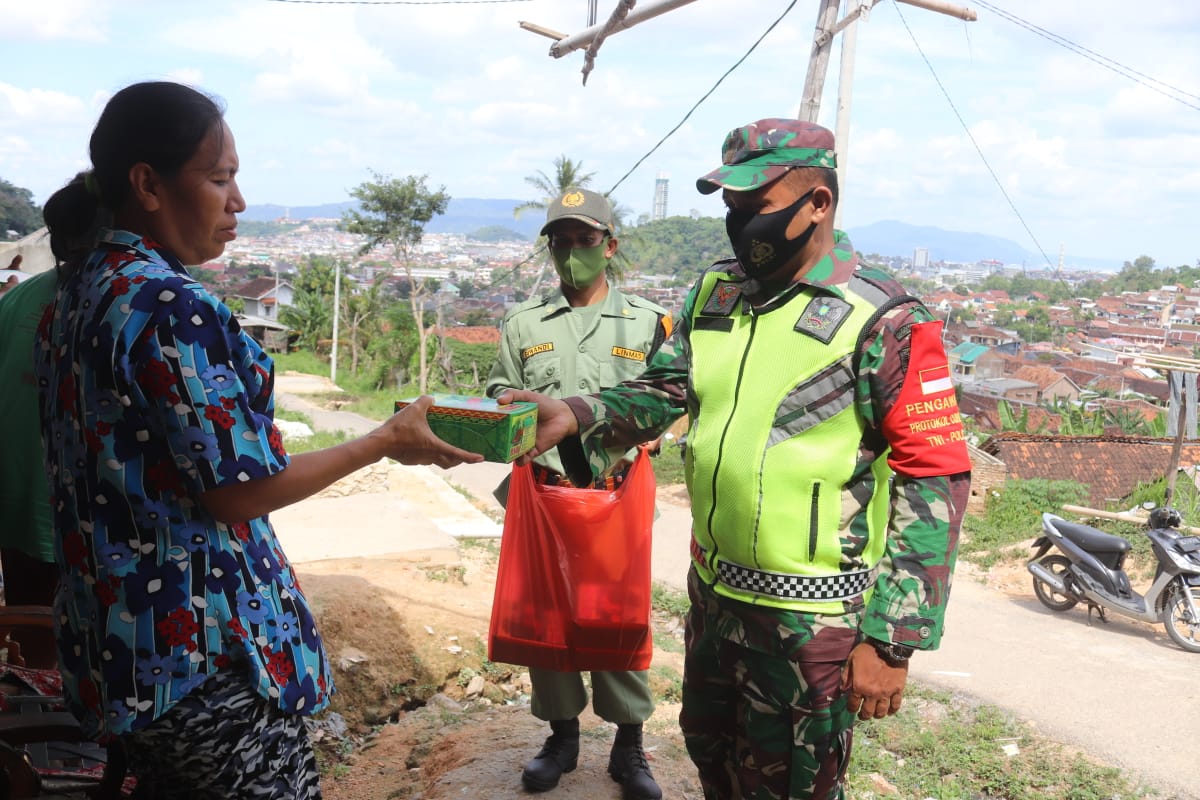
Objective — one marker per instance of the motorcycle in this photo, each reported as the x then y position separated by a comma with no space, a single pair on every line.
1076,563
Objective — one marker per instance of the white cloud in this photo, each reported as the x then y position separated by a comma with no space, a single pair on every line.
79,20
22,106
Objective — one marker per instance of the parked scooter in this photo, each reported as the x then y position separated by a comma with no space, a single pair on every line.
1087,566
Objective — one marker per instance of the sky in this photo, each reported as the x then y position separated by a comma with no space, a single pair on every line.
983,126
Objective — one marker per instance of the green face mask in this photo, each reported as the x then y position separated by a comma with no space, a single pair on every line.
580,266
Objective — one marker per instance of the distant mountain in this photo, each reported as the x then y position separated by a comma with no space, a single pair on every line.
463,215
891,238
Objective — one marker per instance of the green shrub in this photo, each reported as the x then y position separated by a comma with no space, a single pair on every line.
1013,514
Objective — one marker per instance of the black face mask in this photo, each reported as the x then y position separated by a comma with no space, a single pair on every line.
760,240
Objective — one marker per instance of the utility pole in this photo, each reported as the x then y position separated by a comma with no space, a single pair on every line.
841,134
827,27
337,294
818,61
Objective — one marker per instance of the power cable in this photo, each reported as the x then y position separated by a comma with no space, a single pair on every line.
1091,55
697,104
974,143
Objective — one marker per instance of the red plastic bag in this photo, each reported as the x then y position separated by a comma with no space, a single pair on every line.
573,584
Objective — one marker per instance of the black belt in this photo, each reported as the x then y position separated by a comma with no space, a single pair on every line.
842,586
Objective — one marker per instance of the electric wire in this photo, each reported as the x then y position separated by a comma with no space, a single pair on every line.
698,103
974,143
1091,55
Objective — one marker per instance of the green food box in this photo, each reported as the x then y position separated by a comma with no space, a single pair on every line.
481,425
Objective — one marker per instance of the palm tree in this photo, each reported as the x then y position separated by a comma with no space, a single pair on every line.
567,174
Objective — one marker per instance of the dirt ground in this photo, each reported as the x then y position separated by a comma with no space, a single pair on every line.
420,713
408,636
426,718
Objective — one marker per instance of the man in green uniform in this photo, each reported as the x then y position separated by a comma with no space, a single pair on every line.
827,468
583,336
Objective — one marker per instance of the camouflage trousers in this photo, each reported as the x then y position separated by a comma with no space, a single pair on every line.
763,721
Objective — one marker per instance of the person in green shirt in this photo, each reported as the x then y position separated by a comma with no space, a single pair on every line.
27,534
580,337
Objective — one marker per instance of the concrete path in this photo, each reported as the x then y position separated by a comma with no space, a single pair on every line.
304,527
1118,691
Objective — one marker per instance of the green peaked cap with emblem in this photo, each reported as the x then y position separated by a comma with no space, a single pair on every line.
586,206
757,154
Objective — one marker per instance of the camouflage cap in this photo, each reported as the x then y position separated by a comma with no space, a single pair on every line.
754,155
586,206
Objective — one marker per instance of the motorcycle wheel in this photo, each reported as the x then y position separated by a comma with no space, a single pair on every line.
1050,598
1183,629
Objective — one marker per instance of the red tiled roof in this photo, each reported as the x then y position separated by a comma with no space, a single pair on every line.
256,288
472,334
1044,377
1110,467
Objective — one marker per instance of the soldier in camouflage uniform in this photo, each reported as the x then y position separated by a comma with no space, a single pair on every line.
583,336
827,469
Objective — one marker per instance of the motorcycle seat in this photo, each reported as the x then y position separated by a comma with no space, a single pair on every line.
1091,539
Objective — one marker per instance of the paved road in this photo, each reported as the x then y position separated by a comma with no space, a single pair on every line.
1120,691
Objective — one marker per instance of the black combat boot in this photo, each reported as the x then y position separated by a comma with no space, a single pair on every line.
627,765
559,754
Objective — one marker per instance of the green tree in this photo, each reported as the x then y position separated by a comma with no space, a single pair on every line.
18,212
678,246
1138,276
311,312
359,315
1010,421
959,314
1075,420
496,233
393,213
567,174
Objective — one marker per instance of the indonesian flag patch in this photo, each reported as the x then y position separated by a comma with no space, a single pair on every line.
935,380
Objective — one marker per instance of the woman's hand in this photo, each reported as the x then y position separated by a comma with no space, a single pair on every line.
407,438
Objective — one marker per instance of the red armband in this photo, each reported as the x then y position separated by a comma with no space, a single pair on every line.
924,428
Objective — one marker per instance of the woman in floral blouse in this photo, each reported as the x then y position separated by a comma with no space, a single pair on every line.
183,630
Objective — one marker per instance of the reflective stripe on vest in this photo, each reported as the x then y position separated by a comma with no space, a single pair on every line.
775,442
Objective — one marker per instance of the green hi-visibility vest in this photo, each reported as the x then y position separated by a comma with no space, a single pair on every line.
773,453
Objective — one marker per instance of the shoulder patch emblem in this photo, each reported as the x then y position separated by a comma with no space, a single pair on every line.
822,317
722,300
625,352
530,352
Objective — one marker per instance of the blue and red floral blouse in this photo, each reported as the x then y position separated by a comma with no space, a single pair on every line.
151,394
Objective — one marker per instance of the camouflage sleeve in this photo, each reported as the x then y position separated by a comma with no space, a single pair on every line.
506,372
632,412
913,585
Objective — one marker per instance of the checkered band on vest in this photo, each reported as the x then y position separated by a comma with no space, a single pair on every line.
843,586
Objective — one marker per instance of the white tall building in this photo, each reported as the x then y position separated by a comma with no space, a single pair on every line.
660,197
920,257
